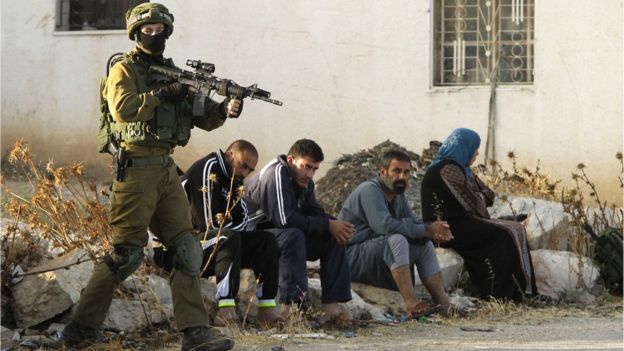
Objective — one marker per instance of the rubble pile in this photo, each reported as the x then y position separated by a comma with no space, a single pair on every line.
352,169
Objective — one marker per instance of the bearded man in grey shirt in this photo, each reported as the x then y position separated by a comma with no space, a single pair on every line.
389,239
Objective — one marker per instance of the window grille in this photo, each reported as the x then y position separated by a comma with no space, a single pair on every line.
93,14
476,41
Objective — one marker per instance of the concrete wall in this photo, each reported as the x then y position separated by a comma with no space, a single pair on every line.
351,74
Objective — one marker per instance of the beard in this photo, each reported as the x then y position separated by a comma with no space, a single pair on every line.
238,179
397,187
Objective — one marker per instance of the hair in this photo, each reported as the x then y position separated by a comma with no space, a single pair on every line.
306,148
391,155
241,145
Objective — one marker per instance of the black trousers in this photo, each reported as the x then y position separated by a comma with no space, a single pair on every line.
295,249
256,250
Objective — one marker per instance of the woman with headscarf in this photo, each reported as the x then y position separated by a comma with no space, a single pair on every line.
495,251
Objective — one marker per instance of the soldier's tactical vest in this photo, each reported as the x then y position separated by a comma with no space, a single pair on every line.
170,126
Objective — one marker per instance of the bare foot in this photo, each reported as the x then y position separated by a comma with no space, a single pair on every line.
268,317
226,316
329,311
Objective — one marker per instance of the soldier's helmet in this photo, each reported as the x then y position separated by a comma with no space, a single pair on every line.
148,13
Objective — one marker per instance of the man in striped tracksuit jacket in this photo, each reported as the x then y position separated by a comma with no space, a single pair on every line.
281,200
208,183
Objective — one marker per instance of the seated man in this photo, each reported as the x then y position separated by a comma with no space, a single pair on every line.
281,197
389,240
220,220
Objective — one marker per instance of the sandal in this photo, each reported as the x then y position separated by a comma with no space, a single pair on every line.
426,310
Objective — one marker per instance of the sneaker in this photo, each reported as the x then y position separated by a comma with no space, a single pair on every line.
75,334
204,339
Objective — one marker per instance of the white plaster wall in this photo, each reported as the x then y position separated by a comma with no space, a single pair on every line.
351,74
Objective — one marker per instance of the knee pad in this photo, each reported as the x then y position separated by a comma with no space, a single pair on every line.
188,254
124,261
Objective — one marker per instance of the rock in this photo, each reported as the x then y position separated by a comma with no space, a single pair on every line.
55,328
603,218
547,225
452,266
314,266
247,294
357,308
42,296
388,300
9,337
463,302
18,273
562,274
128,315
209,293
360,309
161,288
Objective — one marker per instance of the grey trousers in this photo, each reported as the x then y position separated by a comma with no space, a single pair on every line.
373,260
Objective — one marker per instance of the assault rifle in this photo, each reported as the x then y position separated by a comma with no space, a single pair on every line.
204,82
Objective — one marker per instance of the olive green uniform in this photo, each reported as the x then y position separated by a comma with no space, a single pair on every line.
150,194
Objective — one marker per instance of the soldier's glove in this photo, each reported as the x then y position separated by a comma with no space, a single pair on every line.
174,92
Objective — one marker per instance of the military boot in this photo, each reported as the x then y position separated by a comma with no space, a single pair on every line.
75,334
204,339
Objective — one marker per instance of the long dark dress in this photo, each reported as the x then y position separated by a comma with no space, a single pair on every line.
496,252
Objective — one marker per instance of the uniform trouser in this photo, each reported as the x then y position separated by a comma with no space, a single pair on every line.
235,250
295,249
149,196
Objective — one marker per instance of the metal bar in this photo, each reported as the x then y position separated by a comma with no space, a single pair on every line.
455,57
442,42
463,60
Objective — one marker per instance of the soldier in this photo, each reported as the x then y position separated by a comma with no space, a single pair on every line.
150,118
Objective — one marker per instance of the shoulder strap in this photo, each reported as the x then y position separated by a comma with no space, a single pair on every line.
116,57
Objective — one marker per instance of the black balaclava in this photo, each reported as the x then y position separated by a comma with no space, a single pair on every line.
152,44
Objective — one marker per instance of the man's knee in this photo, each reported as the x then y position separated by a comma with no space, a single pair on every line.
188,254
124,261
290,240
399,246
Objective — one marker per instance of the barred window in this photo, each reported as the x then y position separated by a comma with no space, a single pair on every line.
477,41
93,14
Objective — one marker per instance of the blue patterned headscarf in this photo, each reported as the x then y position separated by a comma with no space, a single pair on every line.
460,146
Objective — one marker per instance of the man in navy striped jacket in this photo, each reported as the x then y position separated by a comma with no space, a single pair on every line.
281,199
214,187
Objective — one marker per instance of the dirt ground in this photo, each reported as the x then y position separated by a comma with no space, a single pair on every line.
594,328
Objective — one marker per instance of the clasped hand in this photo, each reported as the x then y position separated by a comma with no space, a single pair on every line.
341,230
439,232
